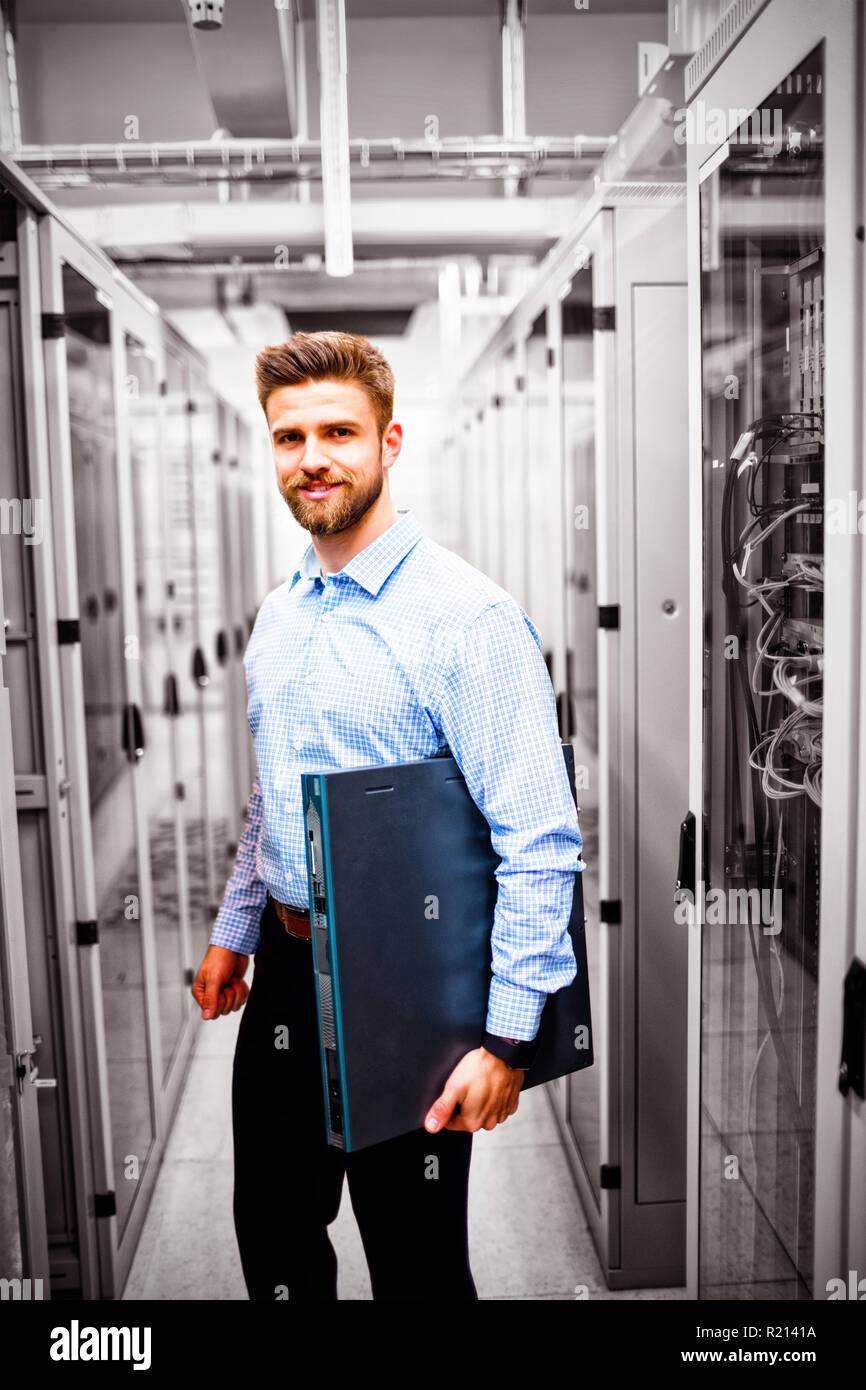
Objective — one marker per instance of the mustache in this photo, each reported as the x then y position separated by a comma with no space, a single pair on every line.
317,482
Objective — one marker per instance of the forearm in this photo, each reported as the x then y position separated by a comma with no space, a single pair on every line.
531,951
237,923
496,709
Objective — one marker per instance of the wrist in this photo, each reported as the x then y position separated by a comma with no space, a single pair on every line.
224,951
491,1060
518,1054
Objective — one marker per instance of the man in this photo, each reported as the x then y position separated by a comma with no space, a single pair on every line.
383,647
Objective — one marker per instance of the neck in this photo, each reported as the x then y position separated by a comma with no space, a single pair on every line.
333,552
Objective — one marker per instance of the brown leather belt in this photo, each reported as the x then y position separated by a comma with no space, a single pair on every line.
296,922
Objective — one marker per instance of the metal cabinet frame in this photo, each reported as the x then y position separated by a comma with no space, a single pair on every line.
13,949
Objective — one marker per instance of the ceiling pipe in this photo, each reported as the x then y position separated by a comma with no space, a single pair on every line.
334,122
159,270
295,77
196,161
513,21
287,27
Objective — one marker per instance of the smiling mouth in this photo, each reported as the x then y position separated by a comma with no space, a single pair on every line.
319,491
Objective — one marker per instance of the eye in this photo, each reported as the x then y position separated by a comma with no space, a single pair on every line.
342,429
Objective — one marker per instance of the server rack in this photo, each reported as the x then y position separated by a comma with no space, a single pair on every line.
102,621
592,366
109,923
776,433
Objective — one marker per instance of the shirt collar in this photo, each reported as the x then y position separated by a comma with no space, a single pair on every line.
372,565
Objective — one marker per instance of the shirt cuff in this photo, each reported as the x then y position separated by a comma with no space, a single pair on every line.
513,1011
245,942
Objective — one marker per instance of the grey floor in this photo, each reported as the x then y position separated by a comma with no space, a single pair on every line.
527,1234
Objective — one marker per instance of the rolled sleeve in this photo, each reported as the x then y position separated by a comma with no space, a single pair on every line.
496,708
237,923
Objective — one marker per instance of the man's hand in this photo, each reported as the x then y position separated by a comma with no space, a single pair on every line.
219,985
485,1089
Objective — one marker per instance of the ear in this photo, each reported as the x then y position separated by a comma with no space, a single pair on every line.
392,442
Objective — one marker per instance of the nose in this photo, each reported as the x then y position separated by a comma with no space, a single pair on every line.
314,459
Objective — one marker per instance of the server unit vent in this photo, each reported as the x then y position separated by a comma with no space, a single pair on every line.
634,192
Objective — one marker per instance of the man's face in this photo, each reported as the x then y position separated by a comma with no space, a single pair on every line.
327,452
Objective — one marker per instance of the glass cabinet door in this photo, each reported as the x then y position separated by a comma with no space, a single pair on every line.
484,475
494,484
579,707
244,595
513,467
113,814
234,626
762,229
542,499
158,772
473,482
214,690
191,674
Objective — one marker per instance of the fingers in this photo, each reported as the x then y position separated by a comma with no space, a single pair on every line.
442,1109
241,995
487,1113
232,996
204,992
211,995
475,1120
494,1117
222,1003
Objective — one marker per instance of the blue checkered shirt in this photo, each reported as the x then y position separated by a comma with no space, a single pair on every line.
406,652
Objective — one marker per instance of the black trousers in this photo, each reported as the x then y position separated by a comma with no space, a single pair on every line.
409,1194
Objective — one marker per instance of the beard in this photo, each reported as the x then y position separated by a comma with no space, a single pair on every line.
338,513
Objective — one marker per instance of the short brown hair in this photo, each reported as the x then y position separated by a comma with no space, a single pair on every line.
316,356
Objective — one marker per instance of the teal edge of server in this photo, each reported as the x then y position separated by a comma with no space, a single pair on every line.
332,1053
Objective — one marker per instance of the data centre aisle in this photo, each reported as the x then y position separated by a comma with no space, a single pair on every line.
528,1237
